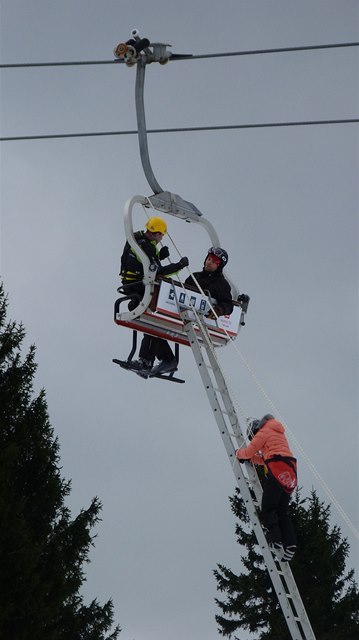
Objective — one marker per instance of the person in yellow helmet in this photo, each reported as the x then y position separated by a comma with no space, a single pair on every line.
132,275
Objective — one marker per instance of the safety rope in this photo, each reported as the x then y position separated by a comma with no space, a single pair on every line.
299,447
271,404
236,402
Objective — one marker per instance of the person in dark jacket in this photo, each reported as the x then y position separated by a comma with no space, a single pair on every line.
132,275
212,281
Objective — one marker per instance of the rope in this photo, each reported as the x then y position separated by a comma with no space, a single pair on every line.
243,415
299,447
305,457
204,329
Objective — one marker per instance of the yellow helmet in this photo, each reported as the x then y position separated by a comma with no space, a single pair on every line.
156,225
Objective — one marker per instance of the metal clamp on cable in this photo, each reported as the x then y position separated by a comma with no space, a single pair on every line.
137,47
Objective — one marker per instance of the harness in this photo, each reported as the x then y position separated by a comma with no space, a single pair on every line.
284,470
131,276
131,266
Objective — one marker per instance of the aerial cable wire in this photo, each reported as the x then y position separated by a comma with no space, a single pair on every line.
260,125
181,57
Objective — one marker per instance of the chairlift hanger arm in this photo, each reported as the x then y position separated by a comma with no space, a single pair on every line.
162,200
141,127
134,52
141,52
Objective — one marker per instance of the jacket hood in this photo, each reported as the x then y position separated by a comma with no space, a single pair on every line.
274,425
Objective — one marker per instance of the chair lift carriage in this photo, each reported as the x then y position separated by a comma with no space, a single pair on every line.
169,311
158,311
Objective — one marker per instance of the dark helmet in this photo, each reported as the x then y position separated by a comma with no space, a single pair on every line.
219,253
254,425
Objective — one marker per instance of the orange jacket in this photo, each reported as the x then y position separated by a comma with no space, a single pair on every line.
269,441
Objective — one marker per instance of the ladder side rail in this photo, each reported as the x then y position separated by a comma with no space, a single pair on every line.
236,431
280,573
222,389
227,400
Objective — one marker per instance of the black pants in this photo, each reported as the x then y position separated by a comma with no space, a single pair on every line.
274,513
151,347
136,288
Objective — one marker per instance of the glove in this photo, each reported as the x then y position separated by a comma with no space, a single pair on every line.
243,298
163,253
240,459
184,262
217,311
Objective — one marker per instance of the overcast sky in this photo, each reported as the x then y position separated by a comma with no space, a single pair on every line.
284,202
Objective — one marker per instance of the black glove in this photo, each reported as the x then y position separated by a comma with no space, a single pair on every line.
243,300
240,459
184,262
163,253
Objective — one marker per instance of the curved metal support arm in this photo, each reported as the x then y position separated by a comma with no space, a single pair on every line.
149,275
161,200
141,126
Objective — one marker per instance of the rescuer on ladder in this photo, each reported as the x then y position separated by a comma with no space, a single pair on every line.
269,447
132,275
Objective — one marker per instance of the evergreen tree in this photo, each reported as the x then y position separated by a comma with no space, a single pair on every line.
329,594
42,549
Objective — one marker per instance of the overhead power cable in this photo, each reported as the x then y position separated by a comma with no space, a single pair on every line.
187,56
184,129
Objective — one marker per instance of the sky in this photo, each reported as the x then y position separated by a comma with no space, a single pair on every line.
284,201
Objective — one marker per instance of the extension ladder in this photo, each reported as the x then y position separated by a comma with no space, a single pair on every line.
249,485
